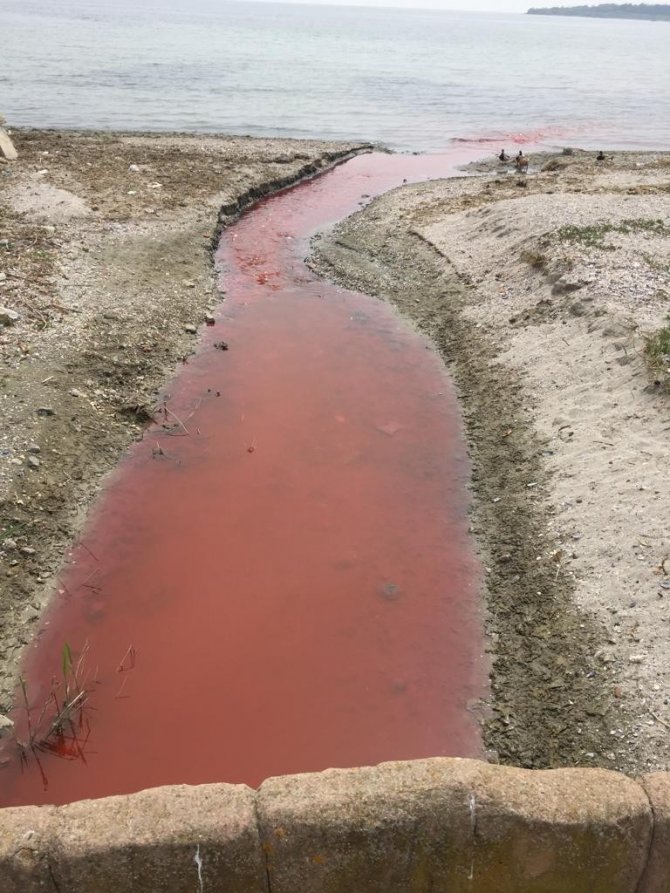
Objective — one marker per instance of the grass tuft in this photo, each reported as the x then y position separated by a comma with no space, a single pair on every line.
593,236
61,726
657,355
535,259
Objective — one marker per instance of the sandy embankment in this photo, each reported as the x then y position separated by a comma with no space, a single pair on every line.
539,292
105,254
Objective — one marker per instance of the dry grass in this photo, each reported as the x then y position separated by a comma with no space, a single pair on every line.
61,726
657,355
593,236
535,259
28,259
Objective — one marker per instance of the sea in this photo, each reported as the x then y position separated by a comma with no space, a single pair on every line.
414,80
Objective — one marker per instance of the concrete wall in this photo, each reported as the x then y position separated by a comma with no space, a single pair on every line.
431,825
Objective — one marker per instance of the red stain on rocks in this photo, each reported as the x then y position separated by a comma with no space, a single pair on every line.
278,578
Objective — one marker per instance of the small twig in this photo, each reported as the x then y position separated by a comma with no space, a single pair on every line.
130,654
178,420
62,309
66,713
94,573
24,691
84,546
43,319
658,719
80,662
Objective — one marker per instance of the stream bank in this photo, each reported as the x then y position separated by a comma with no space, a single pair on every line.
106,250
542,322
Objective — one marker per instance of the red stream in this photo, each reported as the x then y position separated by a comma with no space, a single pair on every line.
281,579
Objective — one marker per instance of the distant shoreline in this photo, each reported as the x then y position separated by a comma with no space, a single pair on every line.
657,12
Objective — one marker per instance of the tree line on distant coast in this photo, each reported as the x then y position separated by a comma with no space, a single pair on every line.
654,11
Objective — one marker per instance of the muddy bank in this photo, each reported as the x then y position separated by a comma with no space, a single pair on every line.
490,268
105,255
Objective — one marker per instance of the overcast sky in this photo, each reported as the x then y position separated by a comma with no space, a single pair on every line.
470,5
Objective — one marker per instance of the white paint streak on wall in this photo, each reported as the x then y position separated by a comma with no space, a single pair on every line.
198,862
472,804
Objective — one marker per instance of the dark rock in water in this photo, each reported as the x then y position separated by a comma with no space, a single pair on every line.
221,345
390,591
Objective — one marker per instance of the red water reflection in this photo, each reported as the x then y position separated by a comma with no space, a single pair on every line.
279,577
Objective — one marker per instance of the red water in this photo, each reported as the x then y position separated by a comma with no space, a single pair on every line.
540,139
278,578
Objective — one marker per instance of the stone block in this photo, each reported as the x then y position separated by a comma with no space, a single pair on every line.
25,840
657,875
576,830
7,146
166,840
395,828
454,825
